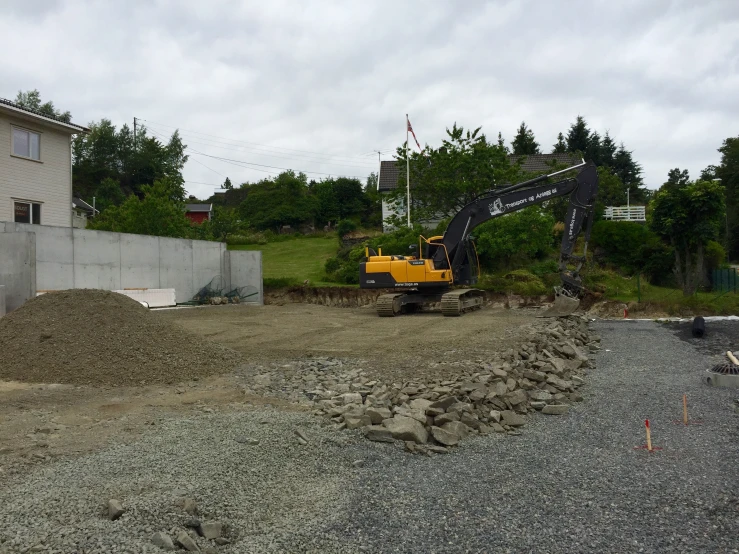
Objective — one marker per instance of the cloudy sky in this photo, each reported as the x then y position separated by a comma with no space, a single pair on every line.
320,86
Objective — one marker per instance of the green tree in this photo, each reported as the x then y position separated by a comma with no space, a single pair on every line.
524,142
225,223
611,190
689,217
728,173
108,194
463,167
157,213
578,137
274,202
108,153
32,100
227,184
373,212
515,237
501,142
607,150
560,147
677,179
629,172
594,149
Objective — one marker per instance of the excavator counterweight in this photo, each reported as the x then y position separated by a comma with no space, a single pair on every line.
451,260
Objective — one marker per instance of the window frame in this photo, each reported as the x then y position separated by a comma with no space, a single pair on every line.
30,204
30,132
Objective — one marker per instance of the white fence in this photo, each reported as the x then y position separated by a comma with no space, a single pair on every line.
626,213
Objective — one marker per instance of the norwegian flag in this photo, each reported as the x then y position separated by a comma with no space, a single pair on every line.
414,134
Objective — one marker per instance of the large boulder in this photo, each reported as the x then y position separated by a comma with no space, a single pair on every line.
442,436
516,397
511,418
378,433
456,428
407,429
555,409
378,415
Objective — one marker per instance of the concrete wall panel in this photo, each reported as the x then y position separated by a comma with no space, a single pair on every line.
54,255
67,258
206,264
246,271
139,261
17,268
175,267
97,260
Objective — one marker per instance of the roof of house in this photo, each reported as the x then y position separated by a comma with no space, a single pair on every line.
9,106
82,205
533,163
389,172
199,207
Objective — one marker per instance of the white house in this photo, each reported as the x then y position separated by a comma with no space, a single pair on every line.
35,167
392,174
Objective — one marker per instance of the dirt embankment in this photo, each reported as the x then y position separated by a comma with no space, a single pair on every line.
349,297
87,336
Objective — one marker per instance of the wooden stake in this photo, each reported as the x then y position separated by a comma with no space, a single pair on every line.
649,436
685,409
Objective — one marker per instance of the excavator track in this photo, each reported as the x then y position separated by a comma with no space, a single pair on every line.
456,302
388,305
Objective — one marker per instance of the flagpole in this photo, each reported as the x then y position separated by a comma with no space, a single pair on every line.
408,172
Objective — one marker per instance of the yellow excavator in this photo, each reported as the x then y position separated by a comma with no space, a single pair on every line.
445,261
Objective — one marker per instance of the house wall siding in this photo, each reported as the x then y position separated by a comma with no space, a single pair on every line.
47,181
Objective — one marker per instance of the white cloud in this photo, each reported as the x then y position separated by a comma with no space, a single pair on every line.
336,78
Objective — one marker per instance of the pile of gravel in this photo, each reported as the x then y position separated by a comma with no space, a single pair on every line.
432,414
90,336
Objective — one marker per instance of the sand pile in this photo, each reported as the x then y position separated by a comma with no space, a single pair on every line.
88,336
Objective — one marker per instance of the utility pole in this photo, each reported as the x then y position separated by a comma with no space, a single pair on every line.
408,170
379,168
134,133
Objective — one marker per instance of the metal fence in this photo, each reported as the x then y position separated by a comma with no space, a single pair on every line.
725,280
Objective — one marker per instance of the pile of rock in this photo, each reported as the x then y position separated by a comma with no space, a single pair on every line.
188,536
543,374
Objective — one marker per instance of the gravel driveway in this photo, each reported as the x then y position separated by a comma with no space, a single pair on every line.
567,484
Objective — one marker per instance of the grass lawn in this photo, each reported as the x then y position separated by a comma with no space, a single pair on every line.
296,260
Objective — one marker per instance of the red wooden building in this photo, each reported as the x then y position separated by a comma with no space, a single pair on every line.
197,213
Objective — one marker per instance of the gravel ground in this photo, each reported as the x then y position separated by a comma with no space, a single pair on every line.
568,484
720,336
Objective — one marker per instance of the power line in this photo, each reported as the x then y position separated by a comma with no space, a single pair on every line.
270,155
201,183
247,165
250,143
240,162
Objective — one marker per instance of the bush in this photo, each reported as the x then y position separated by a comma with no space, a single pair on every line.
632,247
714,255
519,282
547,267
515,238
345,227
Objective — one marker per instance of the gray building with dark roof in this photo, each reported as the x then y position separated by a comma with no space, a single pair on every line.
390,172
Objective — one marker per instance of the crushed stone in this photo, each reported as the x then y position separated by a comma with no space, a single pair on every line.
97,337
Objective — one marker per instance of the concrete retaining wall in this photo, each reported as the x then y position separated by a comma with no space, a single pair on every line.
245,270
17,268
68,258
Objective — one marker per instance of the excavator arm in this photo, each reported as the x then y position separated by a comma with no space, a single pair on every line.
581,189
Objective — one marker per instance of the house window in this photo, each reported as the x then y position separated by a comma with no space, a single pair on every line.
26,144
27,212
